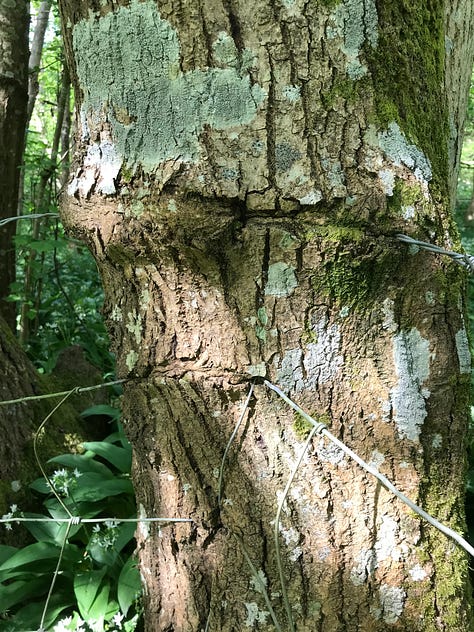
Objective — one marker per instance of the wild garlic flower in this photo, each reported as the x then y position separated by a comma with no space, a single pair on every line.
10,516
63,480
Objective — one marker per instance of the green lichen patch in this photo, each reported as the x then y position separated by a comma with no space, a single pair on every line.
128,65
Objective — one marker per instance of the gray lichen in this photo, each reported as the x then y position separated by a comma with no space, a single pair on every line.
128,65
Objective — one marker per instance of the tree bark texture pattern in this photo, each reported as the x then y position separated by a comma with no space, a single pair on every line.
13,101
242,170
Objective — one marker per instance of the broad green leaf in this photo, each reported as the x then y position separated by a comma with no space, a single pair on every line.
39,552
6,552
83,464
121,458
50,531
93,487
29,617
17,592
92,594
129,585
101,409
126,532
41,486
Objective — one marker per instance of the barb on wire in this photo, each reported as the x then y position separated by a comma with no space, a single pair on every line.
30,216
92,520
462,258
322,429
80,389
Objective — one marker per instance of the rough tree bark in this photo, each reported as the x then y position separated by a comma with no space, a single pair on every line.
14,19
241,170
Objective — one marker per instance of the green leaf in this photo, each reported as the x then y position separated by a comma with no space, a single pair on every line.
102,409
30,557
17,592
93,487
92,594
29,617
83,463
6,552
50,531
121,458
129,584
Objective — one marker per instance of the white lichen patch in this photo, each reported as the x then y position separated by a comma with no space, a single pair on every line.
255,615
437,441
392,600
311,198
430,298
281,279
259,583
402,153
356,22
330,453
134,325
291,93
408,213
291,538
142,526
129,68
100,168
417,573
411,355
387,180
322,359
463,351
387,546
376,459
290,372
131,360
257,370
364,568
389,322
387,542
116,314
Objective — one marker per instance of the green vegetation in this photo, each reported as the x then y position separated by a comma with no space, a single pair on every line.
98,581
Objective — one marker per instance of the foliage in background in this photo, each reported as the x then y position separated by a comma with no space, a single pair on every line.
465,221
57,291
98,586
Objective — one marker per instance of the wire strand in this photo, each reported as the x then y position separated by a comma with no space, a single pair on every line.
454,535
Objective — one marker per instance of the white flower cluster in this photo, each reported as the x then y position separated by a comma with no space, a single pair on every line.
11,516
63,480
76,624
105,538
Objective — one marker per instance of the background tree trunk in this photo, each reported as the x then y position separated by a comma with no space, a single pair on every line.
14,19
241,173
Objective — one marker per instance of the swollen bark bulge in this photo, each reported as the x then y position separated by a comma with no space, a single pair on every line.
241,175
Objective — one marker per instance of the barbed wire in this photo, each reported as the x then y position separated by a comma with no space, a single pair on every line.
463,259
323,430
77,389
318,427
30,216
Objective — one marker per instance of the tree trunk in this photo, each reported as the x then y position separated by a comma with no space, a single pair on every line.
34,62
13,100
241,173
